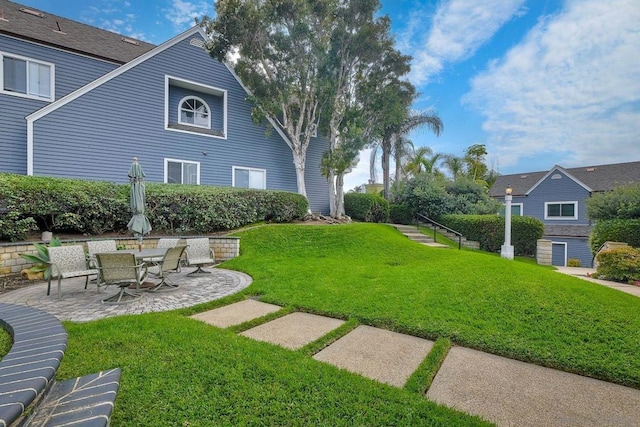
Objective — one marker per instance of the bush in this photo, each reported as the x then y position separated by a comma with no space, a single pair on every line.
620,203
615,230
400,213
619,264
93,207
488,230
573,262
366,207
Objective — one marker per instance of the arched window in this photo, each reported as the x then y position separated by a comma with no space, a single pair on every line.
193,111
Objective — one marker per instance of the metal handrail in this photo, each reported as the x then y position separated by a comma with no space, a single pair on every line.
436,224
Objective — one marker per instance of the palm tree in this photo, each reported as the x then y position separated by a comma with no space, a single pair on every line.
393,137
455,165
424,161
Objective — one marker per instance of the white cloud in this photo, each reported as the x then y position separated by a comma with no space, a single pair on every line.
458,29
570,89
183,13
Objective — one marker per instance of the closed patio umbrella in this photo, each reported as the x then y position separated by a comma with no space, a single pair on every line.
139,223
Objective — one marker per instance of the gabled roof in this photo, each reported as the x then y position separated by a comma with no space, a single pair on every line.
31,24
593,178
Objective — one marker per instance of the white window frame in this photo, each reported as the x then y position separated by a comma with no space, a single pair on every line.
52,74
521,207
196,87
166,169
194,124
263,171
561,218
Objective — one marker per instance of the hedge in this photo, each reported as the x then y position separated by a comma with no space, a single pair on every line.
489,231
366,207
30,203
619,264
615,230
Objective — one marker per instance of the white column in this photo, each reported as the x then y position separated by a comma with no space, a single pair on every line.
507,250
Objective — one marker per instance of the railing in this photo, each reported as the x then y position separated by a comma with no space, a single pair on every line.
435,225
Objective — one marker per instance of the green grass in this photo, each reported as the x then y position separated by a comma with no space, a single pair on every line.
5,342
179,371
371,273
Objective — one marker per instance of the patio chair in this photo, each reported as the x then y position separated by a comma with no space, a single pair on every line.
170,264
163,243
67,262
122,270
199,253
96,246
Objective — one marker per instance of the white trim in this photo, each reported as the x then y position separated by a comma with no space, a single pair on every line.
29,148
565,252
194,124
561,218
52,77
166,168
198,87
235,168
557,168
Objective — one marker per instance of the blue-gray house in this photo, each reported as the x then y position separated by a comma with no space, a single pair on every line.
80,102
557,198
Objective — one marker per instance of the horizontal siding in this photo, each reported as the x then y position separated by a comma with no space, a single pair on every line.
96,135
71,72
576,249
555,190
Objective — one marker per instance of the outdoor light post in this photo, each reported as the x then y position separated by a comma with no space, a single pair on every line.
507,250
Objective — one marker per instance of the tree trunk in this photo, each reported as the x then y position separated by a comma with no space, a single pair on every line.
299,162
333,199
340,196
386,149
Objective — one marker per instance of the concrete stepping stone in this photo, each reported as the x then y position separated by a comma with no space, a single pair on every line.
385,356
237,313
294,330
513,393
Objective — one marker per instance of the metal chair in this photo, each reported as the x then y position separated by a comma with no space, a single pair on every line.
97,246
66,262
170,264
122,270
163,243
199,253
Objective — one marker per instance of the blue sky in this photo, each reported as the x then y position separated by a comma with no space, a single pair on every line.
539,82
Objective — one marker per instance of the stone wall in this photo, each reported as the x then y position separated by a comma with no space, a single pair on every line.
543,251
224,248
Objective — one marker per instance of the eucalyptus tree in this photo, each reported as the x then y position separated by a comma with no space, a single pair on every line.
280,48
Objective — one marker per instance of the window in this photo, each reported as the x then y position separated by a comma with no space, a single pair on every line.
516,209
561,210
249,178
181,172
26,77
195,112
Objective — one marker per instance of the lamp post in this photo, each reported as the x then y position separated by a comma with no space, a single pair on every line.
507,250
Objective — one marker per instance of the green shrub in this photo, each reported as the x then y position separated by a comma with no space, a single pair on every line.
488,230
573,262
93,207
620,203
615,230
366,207
619,264
400,213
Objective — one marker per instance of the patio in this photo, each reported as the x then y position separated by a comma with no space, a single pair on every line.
80,305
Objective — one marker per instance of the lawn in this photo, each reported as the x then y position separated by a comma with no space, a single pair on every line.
178,371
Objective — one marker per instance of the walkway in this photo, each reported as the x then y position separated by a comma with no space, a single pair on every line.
80,305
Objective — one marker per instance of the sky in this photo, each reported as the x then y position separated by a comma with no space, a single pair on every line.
538,82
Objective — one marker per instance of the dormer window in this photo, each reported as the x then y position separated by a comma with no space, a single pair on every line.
194,112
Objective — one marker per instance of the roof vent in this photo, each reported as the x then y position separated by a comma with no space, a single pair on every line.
2,18
59,30
32,12
523,176
556,176
196,42
130,41
591,169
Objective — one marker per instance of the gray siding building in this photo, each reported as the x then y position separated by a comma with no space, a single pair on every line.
80,102
557,198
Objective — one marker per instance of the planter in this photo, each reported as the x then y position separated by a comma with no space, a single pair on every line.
47,236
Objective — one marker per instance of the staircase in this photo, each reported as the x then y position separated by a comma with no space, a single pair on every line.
412,233
471,244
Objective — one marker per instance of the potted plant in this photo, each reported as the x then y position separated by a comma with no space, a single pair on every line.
41,259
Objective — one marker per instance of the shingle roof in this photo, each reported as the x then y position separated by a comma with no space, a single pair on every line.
32,24
598,178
